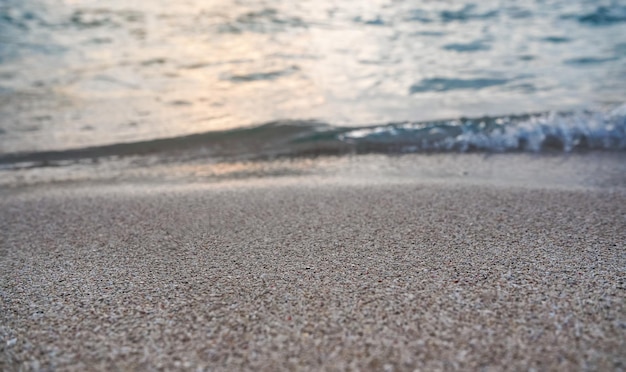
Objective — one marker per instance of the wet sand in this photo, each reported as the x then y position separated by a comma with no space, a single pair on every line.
299,274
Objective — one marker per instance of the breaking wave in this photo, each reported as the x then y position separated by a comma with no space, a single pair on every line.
536,133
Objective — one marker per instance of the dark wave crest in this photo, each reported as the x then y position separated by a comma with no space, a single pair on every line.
545,132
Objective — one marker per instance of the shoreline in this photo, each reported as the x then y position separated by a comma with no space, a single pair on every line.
309,273
597,169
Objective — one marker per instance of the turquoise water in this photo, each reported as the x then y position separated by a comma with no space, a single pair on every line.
84,78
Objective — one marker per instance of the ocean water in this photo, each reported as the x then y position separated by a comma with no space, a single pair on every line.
256,78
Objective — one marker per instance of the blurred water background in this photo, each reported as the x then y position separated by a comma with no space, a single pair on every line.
394,73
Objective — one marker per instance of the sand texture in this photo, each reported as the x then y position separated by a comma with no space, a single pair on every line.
313,276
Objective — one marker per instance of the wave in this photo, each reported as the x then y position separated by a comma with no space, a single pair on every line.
605,15
587,130
537,133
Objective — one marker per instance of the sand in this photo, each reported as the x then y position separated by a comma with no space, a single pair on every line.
299,274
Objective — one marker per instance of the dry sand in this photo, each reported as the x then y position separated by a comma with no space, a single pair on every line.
298,275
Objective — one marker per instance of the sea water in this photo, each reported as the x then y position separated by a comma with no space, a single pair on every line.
97,78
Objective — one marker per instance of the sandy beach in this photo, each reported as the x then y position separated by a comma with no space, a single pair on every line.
313,274
312,185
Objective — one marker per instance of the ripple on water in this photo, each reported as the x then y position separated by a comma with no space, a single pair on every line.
589,60
445,84
474,46
264,21
256,76
556,39
467,13
95,18
605,15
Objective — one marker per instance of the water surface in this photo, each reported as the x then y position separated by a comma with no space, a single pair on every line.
78,74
